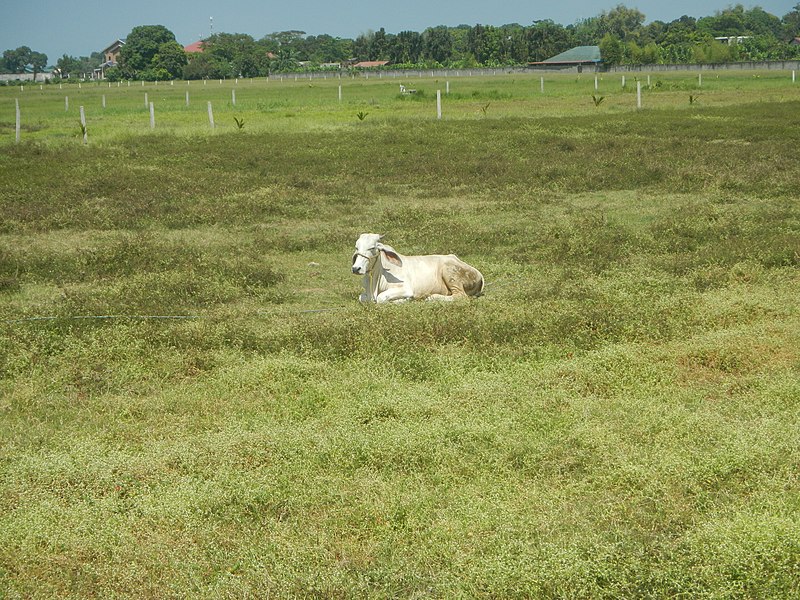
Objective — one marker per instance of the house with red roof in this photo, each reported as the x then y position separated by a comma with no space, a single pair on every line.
371,64
195,47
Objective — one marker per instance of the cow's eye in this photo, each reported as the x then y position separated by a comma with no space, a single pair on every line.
354,259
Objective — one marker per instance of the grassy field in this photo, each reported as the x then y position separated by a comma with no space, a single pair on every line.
194,404
50,113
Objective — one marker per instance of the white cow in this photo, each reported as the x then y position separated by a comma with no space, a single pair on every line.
390,276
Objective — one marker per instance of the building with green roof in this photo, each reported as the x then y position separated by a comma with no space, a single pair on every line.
576,58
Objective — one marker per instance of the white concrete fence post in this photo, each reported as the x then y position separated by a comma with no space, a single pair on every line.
83,127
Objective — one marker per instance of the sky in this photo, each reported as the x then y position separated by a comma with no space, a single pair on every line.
81,27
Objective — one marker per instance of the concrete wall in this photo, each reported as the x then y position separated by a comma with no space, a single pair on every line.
777,65
40,77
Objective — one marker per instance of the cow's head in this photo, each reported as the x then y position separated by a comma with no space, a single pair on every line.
368,251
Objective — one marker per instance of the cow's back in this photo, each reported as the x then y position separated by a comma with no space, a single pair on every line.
424,275
431,276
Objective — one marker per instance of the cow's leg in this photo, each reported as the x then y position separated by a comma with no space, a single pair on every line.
440,298
397,294
461,280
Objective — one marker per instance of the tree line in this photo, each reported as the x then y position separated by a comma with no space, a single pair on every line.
23,59
152,52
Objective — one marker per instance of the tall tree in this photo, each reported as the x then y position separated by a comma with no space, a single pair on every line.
622,22
361,45
38,62
202,65
141,46
379,46
437,44
611,49
654,32
725,23
17,60
791,23
170,58
586,32
461,53
406,47
69,65
484,43
285,61
238,50
760,22
546,39
286,38
327,49
513,44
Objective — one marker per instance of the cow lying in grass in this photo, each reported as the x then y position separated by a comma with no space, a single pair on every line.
392,277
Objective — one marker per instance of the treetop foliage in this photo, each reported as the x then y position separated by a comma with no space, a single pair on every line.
22,59
735,33
621,33
151,52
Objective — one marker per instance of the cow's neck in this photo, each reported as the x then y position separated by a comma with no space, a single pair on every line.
368,288
371,284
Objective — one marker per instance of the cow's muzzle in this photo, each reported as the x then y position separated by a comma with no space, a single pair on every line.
362,263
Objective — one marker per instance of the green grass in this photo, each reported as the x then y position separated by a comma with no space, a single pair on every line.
313,105
616,417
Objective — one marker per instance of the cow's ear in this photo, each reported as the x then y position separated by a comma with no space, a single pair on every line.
391,256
